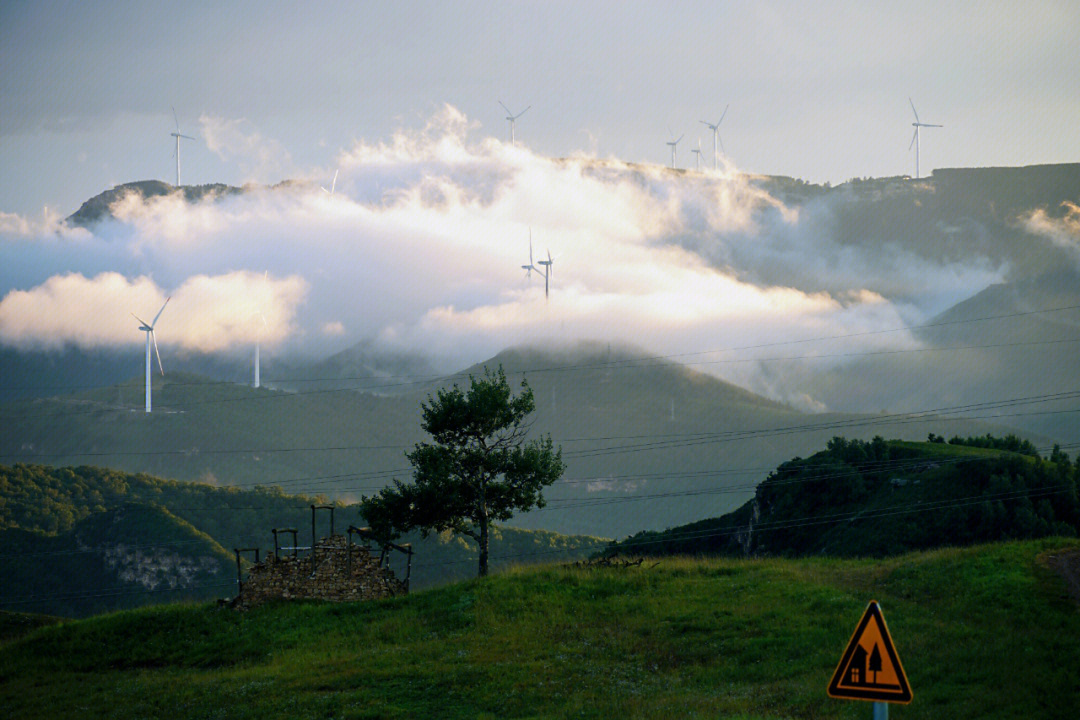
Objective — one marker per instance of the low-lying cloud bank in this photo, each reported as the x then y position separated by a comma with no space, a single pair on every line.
205,313
421,246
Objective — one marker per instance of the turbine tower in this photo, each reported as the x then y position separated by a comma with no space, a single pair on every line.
547,271
915,138
258,332
716,134
177,135
148,328
673,143
513,120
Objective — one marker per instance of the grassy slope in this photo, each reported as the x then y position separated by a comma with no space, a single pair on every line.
982,632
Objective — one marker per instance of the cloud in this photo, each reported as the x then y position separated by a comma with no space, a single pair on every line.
19,227
333,328
1063,232
262,159
209,314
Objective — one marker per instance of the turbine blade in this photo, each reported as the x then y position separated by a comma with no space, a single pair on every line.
139,319
160,311
333,185
152,335
721,141
522,112
912,143
175,119
680,138
913,109
722,116
505,108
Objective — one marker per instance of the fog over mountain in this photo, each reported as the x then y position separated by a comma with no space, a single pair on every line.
420,247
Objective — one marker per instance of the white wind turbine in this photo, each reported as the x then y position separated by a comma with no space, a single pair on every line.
915,138
697,155
258,331
513,120
673,143
333,185
716,134
177,135
532,266
148,328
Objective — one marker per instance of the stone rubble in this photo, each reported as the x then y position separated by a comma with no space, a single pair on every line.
291,578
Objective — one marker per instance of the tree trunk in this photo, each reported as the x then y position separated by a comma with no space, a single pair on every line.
483,543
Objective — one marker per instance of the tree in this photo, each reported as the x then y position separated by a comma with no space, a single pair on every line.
875,662
477,469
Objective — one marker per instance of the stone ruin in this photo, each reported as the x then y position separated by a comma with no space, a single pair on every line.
337,570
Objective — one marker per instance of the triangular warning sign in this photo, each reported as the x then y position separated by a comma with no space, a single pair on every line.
870,668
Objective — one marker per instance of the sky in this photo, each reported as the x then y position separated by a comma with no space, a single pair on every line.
421,245
817,91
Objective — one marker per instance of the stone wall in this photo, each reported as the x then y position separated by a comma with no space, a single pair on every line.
292,578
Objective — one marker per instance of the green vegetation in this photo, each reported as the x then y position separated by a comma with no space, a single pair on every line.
64,531
479,468
984,632
14,625
881,498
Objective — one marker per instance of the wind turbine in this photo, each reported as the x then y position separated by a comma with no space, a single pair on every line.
148,328
532,266
915,138
697,153
513,120
673,143
333,185
716,134
177,135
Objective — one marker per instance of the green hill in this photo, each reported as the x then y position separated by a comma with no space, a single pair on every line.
656,441
122,558
987,632
85,540
882,498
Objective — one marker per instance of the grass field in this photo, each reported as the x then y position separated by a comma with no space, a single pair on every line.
987,632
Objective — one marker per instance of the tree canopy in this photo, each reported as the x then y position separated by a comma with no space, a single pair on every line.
478,467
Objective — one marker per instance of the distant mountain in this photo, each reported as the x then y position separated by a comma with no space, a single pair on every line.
98,207
648,443
857,499
998,344
363,366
